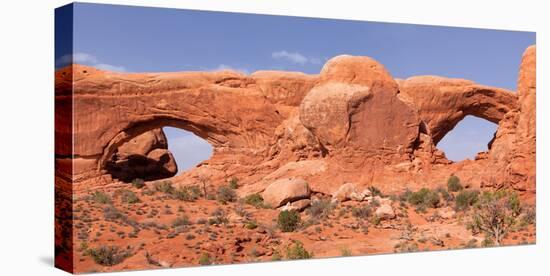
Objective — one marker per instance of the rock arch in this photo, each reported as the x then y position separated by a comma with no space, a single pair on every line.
353,120
443,102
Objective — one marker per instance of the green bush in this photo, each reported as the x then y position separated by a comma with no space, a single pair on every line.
453,184
138,183
163,187
101,197
514,203
108,255
320,208
205,259
297,251
288,221
234,183
226,194
128,196
465,199
424,198
255,200
251,224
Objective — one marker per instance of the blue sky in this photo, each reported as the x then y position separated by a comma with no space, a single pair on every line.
136,39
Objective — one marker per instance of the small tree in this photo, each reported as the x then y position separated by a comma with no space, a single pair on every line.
493,217
203,179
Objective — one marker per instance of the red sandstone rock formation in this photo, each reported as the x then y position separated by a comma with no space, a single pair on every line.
351,123
145,156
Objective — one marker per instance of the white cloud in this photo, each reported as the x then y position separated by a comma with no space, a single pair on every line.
294,57
88,59
223,67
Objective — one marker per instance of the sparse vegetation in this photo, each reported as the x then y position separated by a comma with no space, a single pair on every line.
255,200
465,199
205,259
494,216
101,197
320,208
375,191
181,221
186,193
219,217
164,186
108,255
234,183
128,196
346,252
288,221
453,184
251,224
424,198
225,194
297,251
138,183
362,212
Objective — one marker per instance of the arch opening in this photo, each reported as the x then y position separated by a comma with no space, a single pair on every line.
158,151
467,138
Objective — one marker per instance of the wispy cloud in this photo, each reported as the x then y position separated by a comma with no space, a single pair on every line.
88,59
223,67
294,57
109,67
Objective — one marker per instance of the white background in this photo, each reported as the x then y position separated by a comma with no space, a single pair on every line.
26,145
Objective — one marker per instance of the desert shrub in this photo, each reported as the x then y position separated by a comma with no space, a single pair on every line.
529,215
112,213
218,217
297,251
288,221
453,184
445,194
363,212
101,197
205,259
138,183
493,217
375,191
514,204
128,196
406,247
251,224
346,252
163,186
234,183
186,193
276,256
465,199
108,255
320,208
255,200
181,221
424,198
226,194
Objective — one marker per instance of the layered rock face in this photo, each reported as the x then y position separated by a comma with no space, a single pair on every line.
352,123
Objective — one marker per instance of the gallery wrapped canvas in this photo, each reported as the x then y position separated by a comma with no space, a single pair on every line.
186,138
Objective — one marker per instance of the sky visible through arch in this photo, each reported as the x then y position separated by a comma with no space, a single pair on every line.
137,39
